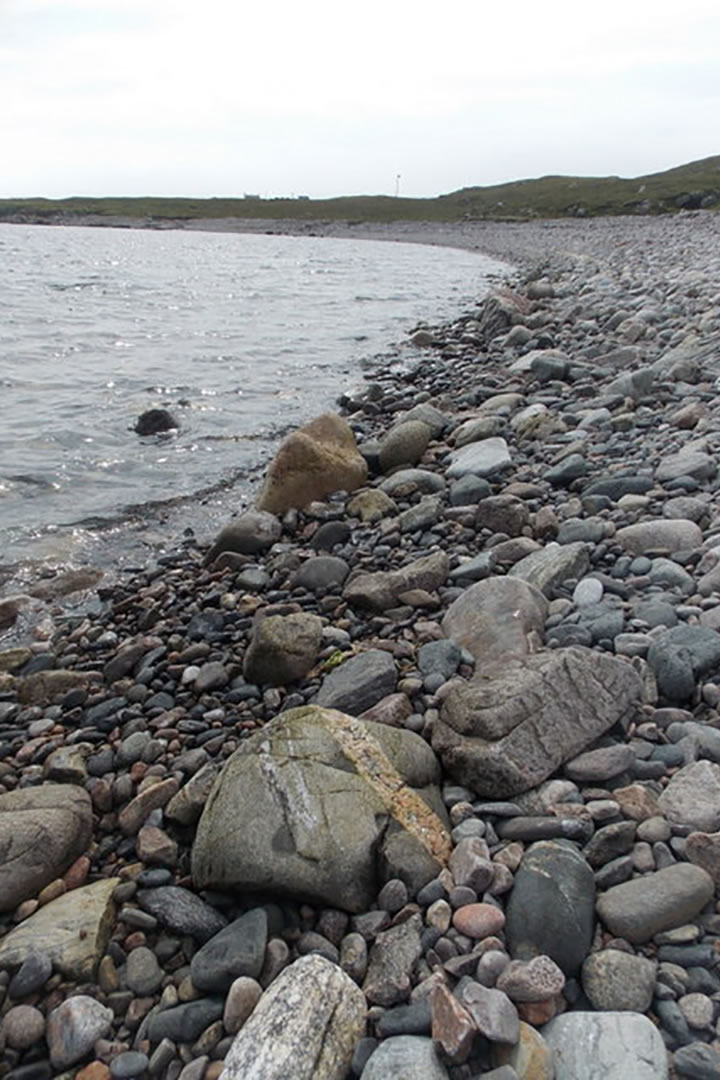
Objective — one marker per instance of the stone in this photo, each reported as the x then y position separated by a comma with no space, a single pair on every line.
391,963
181,911
317,459
305,1025
249,534
34,972
531,1057
45,687
694,463
431,416
553,564
283,648
74,1027
538,979
659,534
600,764
379,591
617,981
22,1027
697,1061
407,481
323,806
452,1026
693,797
358,683
503,514
511,727
155,422
186,806
143,974
74,931
405,1057
551,908
606,1046
185,1022
478,921
321,572
492,1012
371,505
497,619
703,849
404,444
242,997
637,910
236,951
485,458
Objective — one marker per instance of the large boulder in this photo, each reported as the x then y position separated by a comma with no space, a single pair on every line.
323,806
606,1046
497,619
314,461
305,1026
42,831
514,724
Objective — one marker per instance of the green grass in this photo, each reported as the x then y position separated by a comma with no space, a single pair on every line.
692,185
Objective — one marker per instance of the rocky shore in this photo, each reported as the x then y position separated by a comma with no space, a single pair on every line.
413,771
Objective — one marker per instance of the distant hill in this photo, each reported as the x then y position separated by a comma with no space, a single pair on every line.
688,187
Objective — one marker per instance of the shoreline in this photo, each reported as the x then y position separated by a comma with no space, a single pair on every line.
551,461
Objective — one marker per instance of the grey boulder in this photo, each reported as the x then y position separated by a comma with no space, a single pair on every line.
323,806
358,683
497,619
606,1046
637,910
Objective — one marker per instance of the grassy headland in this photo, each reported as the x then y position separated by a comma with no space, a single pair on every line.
692,186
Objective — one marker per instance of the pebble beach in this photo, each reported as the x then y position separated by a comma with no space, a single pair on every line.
413,770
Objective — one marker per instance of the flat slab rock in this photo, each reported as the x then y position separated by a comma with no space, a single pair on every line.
606,1046
320,805
72,930
305,1026
512,726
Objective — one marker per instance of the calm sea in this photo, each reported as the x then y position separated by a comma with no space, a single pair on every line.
240,336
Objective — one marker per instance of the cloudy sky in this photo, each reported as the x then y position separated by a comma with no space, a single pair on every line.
281,97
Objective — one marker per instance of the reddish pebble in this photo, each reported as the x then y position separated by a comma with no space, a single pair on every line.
478,920
77,874
96,1070
51,892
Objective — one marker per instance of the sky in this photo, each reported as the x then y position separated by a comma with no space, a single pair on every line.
321,98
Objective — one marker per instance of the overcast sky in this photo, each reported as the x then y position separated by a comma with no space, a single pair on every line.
222,97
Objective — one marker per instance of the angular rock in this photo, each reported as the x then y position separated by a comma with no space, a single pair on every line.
606,1046
392,960
320,805
379,591
703,849
492,1011
693,797
452,1026
538,979
686,463
485,458
305,1025
512,727
405,1057
314,461
497,619
42,831
637,910
358,683
283,648
551,908
371,505
531,1057
553,564
74,931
